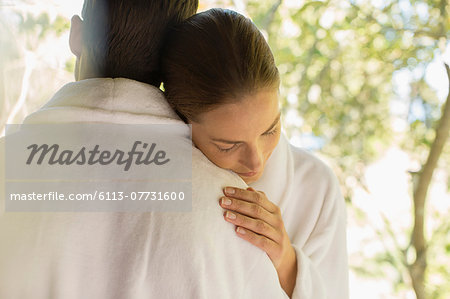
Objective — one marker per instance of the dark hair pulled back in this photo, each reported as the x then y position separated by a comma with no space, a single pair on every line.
212,58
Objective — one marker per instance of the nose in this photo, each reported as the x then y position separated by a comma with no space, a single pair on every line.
252,158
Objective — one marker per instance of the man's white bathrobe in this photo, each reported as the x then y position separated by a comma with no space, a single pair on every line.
172,255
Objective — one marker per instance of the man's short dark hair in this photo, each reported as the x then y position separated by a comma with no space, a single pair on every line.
123,38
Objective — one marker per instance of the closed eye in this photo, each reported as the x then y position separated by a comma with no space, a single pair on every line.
273,132
236,145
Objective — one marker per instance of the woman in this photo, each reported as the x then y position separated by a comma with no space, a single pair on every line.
220,77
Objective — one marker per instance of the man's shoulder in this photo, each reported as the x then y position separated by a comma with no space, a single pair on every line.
206,174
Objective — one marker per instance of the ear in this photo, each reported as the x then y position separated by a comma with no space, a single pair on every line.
76,36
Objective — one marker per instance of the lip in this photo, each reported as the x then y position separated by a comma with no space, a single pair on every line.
248,174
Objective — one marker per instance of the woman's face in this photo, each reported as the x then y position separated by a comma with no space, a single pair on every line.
240,136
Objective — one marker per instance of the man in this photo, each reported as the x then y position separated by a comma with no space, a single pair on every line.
128,255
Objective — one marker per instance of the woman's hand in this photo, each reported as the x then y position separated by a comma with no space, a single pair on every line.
259,221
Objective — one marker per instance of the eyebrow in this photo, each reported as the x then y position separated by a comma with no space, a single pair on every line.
265,132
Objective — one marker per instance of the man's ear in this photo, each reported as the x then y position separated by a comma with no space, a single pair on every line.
76,36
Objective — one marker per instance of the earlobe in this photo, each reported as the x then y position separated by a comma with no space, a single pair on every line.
76,36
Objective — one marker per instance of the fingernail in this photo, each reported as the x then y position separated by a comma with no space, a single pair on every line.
231,215
226,201
229,190
241,230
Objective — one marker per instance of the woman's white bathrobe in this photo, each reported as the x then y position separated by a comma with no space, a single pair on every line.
314,216
172,255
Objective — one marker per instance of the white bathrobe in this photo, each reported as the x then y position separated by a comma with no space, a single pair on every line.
169,256
130,255
314,215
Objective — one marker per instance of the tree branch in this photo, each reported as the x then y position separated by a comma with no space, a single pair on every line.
267,21
417,269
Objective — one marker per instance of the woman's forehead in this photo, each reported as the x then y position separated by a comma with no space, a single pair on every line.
252,115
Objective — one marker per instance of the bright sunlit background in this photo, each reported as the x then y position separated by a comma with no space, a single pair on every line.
363,86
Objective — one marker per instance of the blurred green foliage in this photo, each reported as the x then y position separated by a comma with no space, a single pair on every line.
25,35
339,61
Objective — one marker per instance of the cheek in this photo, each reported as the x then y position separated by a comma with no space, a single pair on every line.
222,160
271,144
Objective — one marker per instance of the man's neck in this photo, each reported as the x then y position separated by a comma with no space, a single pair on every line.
84,69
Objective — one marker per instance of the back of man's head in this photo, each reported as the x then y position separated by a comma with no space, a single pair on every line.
123,38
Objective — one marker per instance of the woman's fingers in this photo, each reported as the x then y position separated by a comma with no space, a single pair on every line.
260,241
251,195
256,225
258,221
250,209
